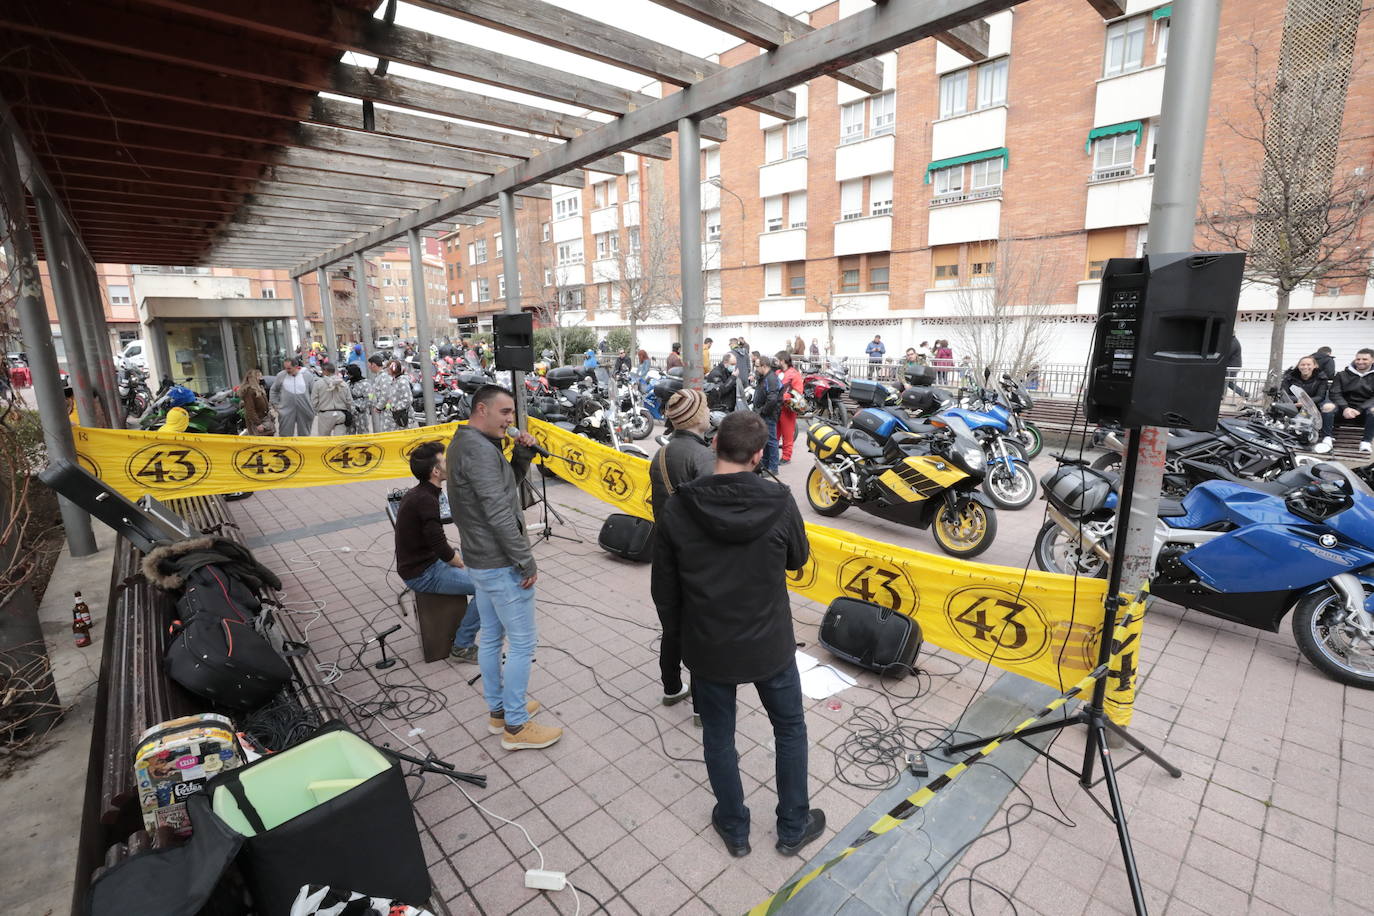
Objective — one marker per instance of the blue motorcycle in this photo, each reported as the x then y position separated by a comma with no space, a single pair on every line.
1245,551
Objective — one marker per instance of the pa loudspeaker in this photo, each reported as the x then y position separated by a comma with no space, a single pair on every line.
1164,326
514,339
871,636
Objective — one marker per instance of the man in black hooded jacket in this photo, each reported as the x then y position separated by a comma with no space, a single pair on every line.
724,544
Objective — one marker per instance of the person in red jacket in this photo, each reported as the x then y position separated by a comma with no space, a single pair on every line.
791,394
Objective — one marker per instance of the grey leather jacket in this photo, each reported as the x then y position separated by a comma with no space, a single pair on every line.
484,494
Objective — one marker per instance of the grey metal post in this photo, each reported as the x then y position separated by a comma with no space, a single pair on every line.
159,361
62,273
98,348
230,352
417,301
302,328
1173,215
689,230
33,321
510,264
331,344
364,305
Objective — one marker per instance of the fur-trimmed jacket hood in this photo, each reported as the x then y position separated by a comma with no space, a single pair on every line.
167,565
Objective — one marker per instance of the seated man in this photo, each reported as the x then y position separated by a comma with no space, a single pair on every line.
1352,393
424,559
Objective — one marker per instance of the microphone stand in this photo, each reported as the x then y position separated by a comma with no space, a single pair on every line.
546,532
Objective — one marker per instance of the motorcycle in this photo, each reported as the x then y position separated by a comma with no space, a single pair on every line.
579,405
134,393
220,413
824,391
1245,449
632,414
1009,401
927,477
1245,551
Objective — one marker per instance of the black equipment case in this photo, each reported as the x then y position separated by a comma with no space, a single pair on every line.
871,636
868,394
564,377
629,537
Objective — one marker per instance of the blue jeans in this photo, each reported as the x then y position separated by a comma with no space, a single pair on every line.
782,700
507,614
442,579
770,450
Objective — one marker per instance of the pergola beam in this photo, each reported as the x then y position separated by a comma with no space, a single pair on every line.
969,39
767,27
858,37
1108,9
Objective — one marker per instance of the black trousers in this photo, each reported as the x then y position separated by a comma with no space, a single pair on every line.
670,661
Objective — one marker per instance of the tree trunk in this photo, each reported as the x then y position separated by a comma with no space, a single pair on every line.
1276,338
829,333
634,334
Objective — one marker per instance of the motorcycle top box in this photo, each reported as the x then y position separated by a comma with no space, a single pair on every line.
923,401
1076,491
877,423
868,394
564,377
471,381
920,376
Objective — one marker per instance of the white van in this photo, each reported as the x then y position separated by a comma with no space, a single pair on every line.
386,342
134,354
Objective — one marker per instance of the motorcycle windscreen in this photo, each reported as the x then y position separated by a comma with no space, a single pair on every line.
917,478
1264,558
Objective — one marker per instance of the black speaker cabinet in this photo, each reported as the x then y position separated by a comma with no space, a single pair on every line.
871,636
514,341
1164,326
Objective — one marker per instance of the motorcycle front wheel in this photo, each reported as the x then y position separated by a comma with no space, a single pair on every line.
965,531
1031,438
1010,484
823,497
640,424
1333,647
1056,553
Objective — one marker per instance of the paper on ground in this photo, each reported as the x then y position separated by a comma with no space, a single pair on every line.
820,681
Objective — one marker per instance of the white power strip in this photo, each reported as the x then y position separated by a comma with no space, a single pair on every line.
545,880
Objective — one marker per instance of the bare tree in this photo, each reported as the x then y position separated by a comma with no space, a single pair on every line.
1002,308
645,267
1296,201
831,304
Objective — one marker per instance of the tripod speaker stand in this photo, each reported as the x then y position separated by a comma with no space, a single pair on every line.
1093,714
545,528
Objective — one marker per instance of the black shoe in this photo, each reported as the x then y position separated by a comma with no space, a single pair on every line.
739,851
815,826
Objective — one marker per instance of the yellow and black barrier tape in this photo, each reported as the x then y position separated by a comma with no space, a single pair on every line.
1122,639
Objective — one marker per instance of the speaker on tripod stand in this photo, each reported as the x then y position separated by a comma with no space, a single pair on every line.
513,337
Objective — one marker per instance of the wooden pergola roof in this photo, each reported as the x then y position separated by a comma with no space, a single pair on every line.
196,132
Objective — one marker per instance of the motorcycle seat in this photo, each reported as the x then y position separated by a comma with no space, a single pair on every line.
863,443
1171,508
1187,439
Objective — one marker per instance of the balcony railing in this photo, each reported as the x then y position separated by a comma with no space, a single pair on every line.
964,197
1113,174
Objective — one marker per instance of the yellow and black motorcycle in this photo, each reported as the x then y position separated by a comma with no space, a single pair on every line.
927,478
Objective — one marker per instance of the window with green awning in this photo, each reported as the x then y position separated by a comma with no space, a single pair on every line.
1111,130
1000,153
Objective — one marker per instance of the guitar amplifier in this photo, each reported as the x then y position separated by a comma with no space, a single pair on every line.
871,636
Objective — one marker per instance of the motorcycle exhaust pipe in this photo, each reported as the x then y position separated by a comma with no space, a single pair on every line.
1076,533
833,479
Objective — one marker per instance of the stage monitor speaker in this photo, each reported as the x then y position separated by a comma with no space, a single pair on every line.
514,341
871,636
1163,333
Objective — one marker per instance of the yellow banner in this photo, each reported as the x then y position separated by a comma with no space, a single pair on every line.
1044,626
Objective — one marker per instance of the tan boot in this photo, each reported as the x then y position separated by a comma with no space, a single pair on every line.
497,725
531,736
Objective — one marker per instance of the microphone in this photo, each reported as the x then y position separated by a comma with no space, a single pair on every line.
512,432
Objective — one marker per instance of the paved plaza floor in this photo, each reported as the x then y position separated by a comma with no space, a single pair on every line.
1258,823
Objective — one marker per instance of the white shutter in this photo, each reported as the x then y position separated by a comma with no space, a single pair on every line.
772,280
851,198
772,213
880,194
772,145
796,209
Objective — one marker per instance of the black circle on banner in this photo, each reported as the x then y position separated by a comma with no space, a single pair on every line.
268,462
353,459
168,466
616,480
541,437
878,581
577,462
994,622
88,463
806,576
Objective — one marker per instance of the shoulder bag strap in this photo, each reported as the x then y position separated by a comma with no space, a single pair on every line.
662,459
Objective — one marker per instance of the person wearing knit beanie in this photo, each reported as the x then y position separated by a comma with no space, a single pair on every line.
687,410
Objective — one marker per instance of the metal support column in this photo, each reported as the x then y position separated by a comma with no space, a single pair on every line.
510,265
98,346
1173,216
61,272
302,329
364,305
689,230
331,343
417,301
232,373
33,321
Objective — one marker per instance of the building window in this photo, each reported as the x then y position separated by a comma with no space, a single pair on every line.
712,169
880,195
852,198
1162,40
982,263
992,83
773,145
604,194
944,265
633,236
386,281
566,207
632,186
796,278
878,272
388,298
852,122
500,286
497,237
949,181
953,93
548,277
386,265
572,299
713,225
481,251
849,274
712,286
570,253
1152,149
1114,157
1104,244
483,289
472,256
544,230
405,281
882,116
267,293
796,138
119,295
986,174
1125,47
772,280
796,210
772,213
607,244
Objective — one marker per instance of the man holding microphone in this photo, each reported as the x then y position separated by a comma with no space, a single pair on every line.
484,496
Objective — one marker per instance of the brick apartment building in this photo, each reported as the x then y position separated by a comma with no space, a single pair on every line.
393,306
888,211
